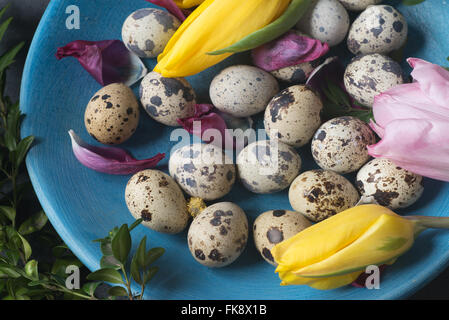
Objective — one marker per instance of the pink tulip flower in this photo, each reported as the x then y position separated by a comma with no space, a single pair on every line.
412,121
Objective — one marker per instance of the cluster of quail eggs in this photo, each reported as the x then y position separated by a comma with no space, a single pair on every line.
292,118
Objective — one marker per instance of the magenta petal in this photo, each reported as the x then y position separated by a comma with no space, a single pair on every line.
204,120
288,50
360,282
171,7
110,159
108,61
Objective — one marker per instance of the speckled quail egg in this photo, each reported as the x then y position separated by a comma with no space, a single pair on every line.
325,20
368,75
147,31
296,74
358,5
378,29
389,185
218,235
112,114
340,144
242,90
156,198
167,99
293,115
274,226
202,170
319,194
268,166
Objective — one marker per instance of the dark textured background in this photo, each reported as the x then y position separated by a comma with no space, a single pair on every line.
27,14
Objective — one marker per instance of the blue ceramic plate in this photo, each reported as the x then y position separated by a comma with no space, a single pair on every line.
84,205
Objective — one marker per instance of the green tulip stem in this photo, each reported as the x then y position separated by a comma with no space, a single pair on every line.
430,222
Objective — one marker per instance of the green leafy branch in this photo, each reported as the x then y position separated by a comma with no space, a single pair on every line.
114,264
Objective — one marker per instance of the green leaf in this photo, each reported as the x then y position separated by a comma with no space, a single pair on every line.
106,248
393,243
135,273
110,262
149,274
31,270
135,224
8,58
3,10
60,251
412,2
121,244
35,223
22,149
9,272
117,291
8,212
106,275
90,287
60,265
141,253
152,255
26,247
4,26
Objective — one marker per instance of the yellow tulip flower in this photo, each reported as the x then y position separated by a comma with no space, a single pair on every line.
214,25
334,252
185,4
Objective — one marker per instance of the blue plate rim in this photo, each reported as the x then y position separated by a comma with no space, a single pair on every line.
402,292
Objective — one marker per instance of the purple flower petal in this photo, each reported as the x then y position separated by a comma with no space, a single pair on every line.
110,159
289,50
361,280
108,61
206,117
171,7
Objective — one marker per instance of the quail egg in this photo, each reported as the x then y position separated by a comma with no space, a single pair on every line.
296,74
368,75
147,31
389,185
340,144
218,235
358,5
268,166
167,99
112,114
293,115
202,170
156,198
242,90
319,194
378,29
325,20
274,226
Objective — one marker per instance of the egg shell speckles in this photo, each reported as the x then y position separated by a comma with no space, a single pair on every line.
340,144
326,20
296,74
156,198
167,99
378,29
242,90
267,167
274,226
147,31
388,184
319,194
368,75
112,114
293,115
218,235
202,170
358,5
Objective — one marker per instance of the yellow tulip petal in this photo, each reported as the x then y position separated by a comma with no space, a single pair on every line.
329,283
185,4
215,24
389,237
324,239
